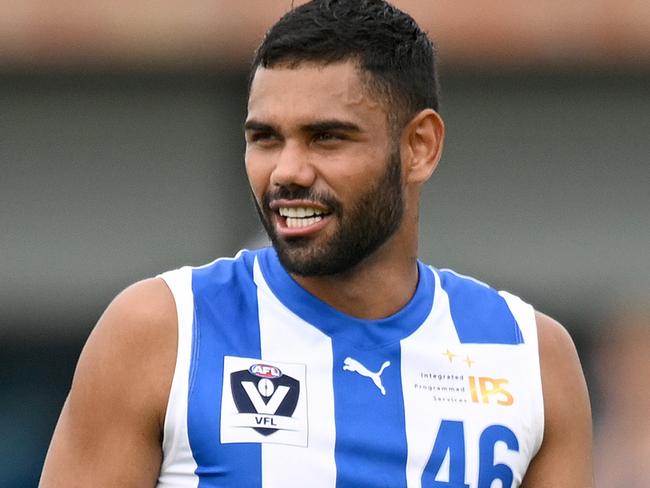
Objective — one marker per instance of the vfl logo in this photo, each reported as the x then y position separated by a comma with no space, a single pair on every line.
268,395
350,364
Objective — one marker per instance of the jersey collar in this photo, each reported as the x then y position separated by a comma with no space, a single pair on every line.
363,334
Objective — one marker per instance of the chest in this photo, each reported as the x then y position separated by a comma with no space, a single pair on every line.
300,408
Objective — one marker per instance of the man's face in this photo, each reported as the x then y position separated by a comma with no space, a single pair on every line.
324,173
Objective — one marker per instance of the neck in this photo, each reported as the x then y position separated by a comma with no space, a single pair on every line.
376,288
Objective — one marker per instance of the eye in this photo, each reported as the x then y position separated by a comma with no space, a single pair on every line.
261,137
327,137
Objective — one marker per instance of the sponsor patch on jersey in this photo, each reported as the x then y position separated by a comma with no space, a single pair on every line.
263,401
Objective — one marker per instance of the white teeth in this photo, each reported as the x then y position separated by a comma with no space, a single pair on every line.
299,212
298,217
293,222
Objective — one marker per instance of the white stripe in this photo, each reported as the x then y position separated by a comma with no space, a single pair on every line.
178,466
418,351
524,314
287,338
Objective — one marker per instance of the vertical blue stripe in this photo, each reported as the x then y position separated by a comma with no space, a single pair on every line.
225,323
479,313
371,447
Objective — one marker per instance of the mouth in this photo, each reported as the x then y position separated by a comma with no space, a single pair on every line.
299,219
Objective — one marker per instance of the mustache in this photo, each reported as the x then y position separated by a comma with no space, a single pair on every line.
300,193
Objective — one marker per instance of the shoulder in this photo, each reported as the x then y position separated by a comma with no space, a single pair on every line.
563,382
142,312
564,458
110,427
554,341
132,348
560,364
143,305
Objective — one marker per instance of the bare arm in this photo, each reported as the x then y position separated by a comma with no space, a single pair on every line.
109,432
564,459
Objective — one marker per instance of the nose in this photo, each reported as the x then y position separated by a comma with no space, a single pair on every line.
293,166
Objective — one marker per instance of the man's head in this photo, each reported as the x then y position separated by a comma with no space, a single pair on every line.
394,56
341,131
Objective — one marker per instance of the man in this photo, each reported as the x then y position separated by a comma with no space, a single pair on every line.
334,358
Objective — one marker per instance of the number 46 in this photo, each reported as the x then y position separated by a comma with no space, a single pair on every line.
451,437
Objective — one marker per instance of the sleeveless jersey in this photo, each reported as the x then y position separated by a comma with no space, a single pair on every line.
275,388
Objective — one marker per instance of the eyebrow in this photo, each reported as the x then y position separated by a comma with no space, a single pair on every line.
321,126
258,126
327,125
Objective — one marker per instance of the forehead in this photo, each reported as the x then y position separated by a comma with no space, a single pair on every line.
311,91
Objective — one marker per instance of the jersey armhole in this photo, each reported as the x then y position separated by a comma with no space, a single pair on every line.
175,444
524,315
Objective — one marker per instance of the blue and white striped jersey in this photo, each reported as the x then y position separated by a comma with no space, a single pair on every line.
274,388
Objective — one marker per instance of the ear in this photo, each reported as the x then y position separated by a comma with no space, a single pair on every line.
421,145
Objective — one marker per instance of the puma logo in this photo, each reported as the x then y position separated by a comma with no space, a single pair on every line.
350,364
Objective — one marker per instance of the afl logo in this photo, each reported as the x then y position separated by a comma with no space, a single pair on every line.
265,371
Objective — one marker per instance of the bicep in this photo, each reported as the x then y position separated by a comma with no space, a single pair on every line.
88,452
109,431
564,459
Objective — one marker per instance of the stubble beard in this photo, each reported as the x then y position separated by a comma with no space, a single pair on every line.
362,228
